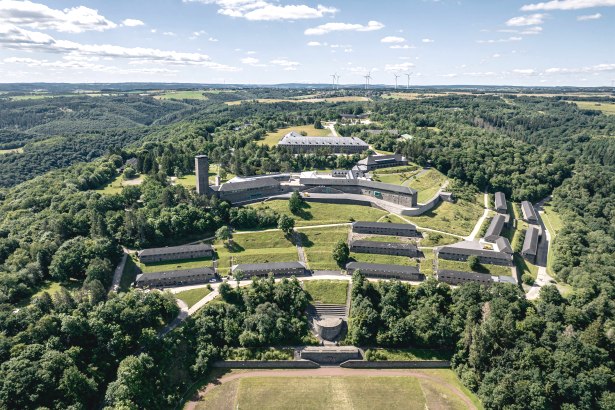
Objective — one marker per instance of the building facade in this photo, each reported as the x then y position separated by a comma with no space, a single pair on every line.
383,228
461,254
249,189
298,144
264,269
529,214
373,162
530,243
175,278
495,228
384,248
171,253
385,271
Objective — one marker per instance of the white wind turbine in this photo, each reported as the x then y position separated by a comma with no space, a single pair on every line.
396,77
408,75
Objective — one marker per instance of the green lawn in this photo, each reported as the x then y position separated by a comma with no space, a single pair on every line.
182,95
315,213
524,266
426,265
131,270
116,186
554,224
189,181
190,297
457,218
495,270
327,291
412,354
52,287
605,107
319,243
427,184
255,247
179,264
386,259
273,138
514,234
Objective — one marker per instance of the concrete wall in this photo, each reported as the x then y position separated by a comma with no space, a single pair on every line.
390,364
270,364
422,208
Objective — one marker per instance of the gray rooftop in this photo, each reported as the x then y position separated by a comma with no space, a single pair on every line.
380,267
376,159
175,274
473,250
249,267
255,183
528,211
500,200
175,249
495,227
504,245
358,182
530,243
384,245
365,224
294,139
466,275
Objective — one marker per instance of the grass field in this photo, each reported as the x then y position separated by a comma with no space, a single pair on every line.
524,266
315,213
413,354
386,259
605,107
11,151
426,264
496,270
273,138
427,184
458,218
318,245
182,95
255,247
116,186
341,392
189,181
179,264
554,224
190,297
131,270
53,287
327,291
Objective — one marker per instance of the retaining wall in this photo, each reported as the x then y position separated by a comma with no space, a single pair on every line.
262,364
422,208
395,364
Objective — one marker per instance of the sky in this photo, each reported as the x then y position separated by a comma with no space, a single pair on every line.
436,42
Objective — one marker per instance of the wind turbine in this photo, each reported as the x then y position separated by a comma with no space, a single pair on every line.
396,77
338,80
333,76
408,75
367,78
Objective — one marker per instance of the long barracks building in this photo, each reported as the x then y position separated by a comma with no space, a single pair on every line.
384,248
298,143
170,253
383,228
384,271
461,253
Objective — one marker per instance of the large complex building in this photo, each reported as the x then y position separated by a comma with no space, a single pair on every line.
384,248
298,143
463,250
530,243
171,253
381,161
500,203
246,189
175,278
455,277
385,271
529,214
277,268
383,228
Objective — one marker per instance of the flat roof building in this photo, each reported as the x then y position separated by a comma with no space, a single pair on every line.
175,278
530,243
276,268
385,271
500,203
298,143
455,277
495,228
384,248
383,228
529,214
170,253
463,250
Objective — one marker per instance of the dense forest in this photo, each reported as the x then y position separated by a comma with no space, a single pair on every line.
80,348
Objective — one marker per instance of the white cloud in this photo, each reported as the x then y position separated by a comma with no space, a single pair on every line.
250,52
451,75
524,71
331,27
212,39
501,40
84,65
402,47
169,33
589,17
532,30
314,43
286,64
392,39
255,62
132,23
398,67
260,10
41,17
496,55
588,69
427,40
568,5
16,38
529,20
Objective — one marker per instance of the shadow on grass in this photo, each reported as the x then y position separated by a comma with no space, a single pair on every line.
234,247
303,212
303,239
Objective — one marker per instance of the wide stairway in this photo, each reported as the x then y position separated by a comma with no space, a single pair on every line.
324,310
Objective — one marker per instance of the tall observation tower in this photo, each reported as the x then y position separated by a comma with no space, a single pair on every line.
201,168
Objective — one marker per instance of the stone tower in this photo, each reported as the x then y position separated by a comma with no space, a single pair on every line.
201,168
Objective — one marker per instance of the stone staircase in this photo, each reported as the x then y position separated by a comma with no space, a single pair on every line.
325,310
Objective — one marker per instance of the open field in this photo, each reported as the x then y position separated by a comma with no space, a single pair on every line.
427,184
179,264
386,259
189,181
495,270
605,107
131,270
315,213
553,223
458,218
182,95
190,297
11,151
524,266
53,287
255,247
344,389
327,291
273,138
318,245
116,186
426,264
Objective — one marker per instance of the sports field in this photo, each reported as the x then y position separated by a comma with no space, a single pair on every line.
335,388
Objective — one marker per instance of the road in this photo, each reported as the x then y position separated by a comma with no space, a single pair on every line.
117,275
543,278
331,126
478,225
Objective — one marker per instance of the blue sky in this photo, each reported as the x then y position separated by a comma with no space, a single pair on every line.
556,42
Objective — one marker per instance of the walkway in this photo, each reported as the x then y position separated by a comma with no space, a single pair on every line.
119,270
336,372
478,225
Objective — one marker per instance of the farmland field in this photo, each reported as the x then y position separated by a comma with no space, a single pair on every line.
605,107
182,95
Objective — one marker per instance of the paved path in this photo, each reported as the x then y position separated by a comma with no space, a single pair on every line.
335,372
300,250
478,225
543,278
117,275
331,126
